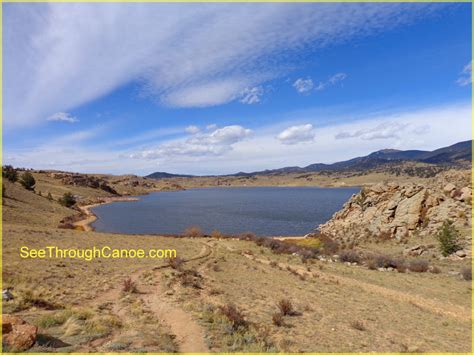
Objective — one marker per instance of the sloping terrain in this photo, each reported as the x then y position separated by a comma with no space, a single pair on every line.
223,294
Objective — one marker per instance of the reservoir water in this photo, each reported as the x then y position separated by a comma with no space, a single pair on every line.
265,211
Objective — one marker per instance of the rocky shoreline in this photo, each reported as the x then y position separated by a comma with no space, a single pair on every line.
398,211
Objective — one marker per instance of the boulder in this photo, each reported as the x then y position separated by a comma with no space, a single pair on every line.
17,335
449,187
399,210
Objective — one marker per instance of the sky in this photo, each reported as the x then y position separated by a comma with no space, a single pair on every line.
220,88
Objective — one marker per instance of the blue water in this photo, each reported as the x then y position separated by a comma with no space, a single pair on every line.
265,211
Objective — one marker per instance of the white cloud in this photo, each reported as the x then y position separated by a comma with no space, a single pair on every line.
229,150
60,56
333,80
62,116
214,143
385,130
381,131
297,134
466,76
303,85
211,127
251,95
192,129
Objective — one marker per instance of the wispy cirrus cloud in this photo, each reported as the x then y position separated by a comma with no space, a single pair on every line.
303,85
466,76
333,80
251,96
62,116
185,55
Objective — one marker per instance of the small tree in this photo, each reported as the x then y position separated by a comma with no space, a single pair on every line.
9,173
448,238
49,197
67,200
28,181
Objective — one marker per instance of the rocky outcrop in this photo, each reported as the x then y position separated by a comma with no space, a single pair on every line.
84,181
17,335
392,210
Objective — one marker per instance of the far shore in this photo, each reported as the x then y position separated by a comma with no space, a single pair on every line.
90,217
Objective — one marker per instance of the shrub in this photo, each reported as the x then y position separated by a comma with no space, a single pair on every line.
349,256
381,261
448,238
193,232
286,307
49,197
435,270
466,273
235,317
67,200
249,236
330,246
216,234
190,278
9,173
129,286
418,266
28,181
176,263
277,319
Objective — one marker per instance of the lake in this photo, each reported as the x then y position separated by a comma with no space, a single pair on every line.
265,211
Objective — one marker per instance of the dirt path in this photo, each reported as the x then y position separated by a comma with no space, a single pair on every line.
443,308
189,335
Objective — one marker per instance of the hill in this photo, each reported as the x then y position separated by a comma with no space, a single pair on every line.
456,155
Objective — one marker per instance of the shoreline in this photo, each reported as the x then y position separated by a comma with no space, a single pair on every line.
90,217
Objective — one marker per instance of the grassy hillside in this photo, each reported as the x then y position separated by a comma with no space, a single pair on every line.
225,295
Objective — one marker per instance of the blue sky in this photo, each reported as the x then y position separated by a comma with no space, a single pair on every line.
221,88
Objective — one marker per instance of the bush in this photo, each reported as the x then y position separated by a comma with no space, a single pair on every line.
235,317
216,234
448,238
418,266
129,286
277,319
286,307
49,197
9,173
67,200
28,181
193,232
381,261
349,256
176,263
466,273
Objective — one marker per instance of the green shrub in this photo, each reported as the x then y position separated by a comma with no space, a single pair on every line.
67,200
448,238
9,173
28,181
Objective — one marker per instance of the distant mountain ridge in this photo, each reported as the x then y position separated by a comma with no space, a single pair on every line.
451,155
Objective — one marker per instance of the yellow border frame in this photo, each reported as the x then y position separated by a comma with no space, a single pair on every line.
225,1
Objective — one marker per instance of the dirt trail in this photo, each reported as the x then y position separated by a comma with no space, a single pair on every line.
443,308
190,336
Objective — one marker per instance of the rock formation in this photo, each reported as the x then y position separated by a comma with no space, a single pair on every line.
392,210
17,335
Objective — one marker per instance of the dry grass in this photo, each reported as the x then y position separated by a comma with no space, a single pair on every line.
247,285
